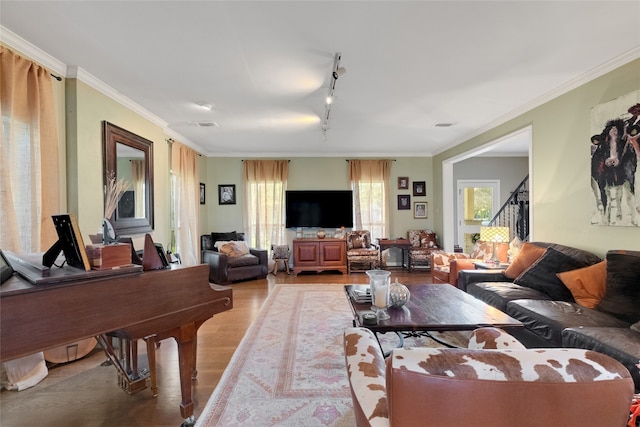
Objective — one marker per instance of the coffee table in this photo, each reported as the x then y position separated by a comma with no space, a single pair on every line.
432,307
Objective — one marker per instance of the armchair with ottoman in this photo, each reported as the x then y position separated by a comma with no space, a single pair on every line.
506,385
568,297
230,259
446,265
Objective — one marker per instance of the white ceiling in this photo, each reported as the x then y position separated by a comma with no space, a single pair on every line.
266,65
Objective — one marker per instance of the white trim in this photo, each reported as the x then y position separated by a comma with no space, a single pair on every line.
36,54
448,193
590,75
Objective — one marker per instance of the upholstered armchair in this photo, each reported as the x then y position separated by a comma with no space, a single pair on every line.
503,386
446,265
423,243
362,254
231,260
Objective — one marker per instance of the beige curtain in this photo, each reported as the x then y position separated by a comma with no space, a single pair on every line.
186,202
137,174
29,170
264,183
370,184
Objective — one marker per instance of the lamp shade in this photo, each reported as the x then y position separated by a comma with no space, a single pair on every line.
494,234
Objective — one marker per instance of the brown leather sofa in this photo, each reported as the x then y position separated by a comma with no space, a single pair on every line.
225,269
484,388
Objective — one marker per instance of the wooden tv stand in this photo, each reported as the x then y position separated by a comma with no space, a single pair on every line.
319,255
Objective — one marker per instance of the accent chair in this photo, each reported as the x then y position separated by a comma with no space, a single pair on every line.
362,254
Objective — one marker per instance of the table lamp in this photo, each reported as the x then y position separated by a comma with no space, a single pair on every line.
494,235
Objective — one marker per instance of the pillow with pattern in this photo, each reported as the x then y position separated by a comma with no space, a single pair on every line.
234,249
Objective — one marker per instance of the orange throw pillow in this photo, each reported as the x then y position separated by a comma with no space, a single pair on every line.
527,256
587,284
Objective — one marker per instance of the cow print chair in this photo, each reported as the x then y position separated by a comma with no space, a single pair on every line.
496,382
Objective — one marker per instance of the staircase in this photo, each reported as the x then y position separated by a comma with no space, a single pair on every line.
515,212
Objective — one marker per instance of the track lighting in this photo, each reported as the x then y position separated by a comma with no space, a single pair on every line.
339,72
336,72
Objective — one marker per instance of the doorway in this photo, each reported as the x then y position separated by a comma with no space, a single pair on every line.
477,203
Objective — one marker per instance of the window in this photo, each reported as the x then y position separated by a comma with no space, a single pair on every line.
370,185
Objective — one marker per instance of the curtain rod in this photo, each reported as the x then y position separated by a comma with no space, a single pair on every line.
346,160
58,78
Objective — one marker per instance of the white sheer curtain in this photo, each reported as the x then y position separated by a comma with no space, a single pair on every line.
137,173
265,183
29,171
370,184
186,201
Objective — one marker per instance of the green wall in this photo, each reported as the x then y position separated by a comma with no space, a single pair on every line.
87,108
560,177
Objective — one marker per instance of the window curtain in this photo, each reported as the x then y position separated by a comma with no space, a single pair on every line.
265,183
186,202
370,184
137,173
29,170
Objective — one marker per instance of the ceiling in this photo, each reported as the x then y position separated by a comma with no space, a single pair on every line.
266,66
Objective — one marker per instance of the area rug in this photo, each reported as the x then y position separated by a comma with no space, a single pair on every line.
289,368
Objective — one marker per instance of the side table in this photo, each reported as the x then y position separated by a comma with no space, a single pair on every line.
402,244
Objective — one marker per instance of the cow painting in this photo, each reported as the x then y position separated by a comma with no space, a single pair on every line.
615,156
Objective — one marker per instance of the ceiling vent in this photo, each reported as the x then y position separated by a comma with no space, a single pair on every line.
205,124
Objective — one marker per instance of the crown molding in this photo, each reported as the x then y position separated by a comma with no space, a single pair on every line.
619,61
36,54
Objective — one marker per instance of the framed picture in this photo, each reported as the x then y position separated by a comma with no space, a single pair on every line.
419,188
403,183
404,202
227,194
202,194
420,209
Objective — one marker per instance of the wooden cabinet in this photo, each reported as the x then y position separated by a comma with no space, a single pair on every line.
319,255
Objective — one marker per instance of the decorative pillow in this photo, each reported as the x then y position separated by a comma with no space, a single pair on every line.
514,247
358,240
541,275
622,297
529,253
588,284
231,235
234,249
428,239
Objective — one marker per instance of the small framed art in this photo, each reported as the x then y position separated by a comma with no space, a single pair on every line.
419,188
227,194
404,202
403,183
202,193
420,209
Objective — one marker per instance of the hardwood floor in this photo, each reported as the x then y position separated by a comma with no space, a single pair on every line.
84,393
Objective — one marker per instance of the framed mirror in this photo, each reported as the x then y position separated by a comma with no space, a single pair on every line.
130,157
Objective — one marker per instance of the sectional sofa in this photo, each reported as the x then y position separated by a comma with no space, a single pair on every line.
568,297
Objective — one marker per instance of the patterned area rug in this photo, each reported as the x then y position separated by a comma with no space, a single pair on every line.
289,368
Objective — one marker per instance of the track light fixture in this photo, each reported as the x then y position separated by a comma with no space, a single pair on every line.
336,72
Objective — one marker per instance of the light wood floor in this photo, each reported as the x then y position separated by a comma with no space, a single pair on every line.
83,393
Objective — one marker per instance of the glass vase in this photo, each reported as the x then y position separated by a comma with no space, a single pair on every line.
379,281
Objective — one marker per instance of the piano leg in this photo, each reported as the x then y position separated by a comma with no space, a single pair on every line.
151,355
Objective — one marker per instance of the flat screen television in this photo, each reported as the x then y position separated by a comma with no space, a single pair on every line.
319,208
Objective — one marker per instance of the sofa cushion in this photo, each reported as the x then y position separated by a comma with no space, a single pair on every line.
541,275
226,236
547,319
498,294
623,344
243,260
587,284
528,254
622,297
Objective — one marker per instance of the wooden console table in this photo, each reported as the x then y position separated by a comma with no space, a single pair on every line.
319,255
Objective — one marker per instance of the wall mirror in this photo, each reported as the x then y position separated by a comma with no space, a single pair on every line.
130,157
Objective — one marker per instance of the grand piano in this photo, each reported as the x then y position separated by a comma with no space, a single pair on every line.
153,305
